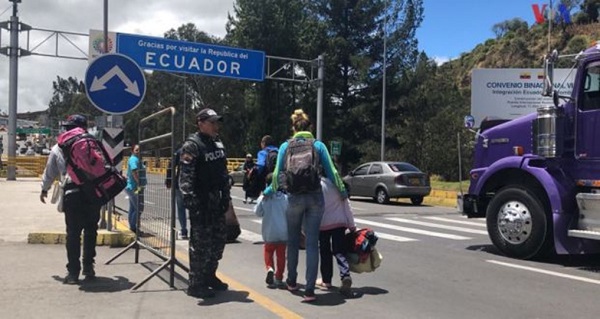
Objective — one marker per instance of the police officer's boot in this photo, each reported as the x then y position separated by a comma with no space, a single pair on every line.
88,271
215,283
200,292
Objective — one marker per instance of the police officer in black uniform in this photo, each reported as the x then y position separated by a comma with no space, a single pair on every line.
203,181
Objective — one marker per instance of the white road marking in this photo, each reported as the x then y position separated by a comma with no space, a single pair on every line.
412,230
416,222
394,237
464,222
250,236
379,234
546,272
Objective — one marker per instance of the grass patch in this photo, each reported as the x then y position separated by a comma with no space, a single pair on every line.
449,186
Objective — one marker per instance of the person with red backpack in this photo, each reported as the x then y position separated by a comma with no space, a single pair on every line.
81,214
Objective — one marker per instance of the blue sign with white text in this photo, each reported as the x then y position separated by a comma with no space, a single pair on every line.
115,84
191,57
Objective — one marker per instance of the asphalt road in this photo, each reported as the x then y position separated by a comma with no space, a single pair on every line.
436,264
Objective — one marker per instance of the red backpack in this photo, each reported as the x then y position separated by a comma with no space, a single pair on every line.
90,167
361,242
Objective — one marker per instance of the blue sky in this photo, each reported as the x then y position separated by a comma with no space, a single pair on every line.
450,28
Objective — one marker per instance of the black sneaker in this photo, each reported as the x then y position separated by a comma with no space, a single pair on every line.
215,283
291,285
200,292
71,279
345,288
88,271
270,280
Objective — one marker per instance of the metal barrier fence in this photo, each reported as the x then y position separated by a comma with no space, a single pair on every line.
33,166
155,225
27,166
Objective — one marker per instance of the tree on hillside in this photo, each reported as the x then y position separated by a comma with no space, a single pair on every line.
592,9
513,25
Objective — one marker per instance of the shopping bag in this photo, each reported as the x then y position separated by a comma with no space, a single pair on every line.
58,193
232,224
371,262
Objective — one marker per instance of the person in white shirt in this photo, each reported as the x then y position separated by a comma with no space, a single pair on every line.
337,217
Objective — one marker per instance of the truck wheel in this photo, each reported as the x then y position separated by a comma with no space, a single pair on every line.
381,196
417,200
516,223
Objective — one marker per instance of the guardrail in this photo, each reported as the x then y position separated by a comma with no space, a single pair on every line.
33,166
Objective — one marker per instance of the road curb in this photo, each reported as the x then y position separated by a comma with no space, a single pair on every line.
122,236
105,238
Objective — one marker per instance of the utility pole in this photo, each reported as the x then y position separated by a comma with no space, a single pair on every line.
184,104
321,83
384,82
550,27
13,53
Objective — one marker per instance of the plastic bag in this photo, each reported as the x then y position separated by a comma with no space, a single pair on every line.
232,223
58,193
372,262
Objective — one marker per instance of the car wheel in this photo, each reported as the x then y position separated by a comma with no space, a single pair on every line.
417,200
381,196
517,224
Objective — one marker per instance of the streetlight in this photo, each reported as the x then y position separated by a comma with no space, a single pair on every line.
383,89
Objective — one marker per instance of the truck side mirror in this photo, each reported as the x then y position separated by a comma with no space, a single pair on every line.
549,61
555,97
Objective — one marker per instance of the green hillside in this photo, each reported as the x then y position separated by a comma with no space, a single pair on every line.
522,47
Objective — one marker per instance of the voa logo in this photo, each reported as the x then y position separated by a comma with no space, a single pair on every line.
560,14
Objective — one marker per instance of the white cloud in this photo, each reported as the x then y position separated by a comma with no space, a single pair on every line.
439,60
145,17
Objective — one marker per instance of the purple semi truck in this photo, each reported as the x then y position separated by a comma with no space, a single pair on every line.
536,179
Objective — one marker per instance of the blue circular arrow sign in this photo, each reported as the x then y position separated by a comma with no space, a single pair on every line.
115,84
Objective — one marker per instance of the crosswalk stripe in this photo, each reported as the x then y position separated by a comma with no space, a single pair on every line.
411,230
394,237
244,209
416,222
464,222
250,236
379,234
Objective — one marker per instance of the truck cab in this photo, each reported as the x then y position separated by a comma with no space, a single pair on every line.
536,179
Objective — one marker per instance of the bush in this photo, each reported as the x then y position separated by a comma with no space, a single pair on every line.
577,44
